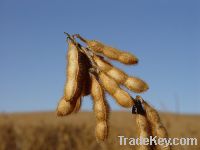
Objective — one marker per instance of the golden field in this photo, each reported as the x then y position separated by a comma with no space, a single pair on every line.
45,131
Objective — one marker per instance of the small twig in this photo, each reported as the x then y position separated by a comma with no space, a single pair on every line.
80,37
71,38
67,34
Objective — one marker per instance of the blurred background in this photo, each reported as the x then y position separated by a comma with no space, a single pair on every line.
163,34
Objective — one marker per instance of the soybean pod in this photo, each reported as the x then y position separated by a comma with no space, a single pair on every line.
110,52
132,83
101,109
121,96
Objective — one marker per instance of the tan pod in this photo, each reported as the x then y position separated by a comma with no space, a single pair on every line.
101,131
111,86
144,130
101,109
76,72
67,107
156,125
110,52
132,83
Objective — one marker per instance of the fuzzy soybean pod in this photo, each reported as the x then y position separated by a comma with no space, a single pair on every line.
111,86
101,109
143,130
110,52
132,83
67,107
156,125
75,72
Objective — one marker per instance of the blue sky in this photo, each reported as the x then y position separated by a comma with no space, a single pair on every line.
164,34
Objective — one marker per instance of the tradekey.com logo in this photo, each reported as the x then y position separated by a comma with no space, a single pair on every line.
154,140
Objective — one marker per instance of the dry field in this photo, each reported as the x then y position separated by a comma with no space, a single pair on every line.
45,131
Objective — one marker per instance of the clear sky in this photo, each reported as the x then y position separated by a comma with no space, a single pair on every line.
164,34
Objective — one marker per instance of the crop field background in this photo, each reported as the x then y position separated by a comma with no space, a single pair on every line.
45,131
